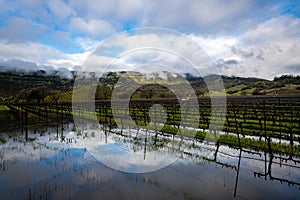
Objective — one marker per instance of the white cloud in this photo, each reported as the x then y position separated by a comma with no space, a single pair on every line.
269,49
155,47
27,51
192,16
121,10
270,60
275,47
18,64
245,38
40,55
86,43
27,66
273,30
217,47
205,17
234,55
200,10
95,27
19,29
30,10
60,9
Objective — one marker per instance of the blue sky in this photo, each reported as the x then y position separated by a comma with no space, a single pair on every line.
243,38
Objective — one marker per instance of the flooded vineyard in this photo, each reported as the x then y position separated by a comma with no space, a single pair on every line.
49,150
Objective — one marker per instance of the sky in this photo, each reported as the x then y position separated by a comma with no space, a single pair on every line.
249,38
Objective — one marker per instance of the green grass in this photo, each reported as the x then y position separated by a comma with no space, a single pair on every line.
60,97
3,108
259,145
237,87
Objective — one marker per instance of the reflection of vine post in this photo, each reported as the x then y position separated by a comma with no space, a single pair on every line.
265,121
22,119
216,152
57,119
145,145
105,132
265,165
62,122
237,173
26,124
155,127
270,165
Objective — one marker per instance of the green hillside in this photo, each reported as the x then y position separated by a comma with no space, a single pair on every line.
38,86
14,85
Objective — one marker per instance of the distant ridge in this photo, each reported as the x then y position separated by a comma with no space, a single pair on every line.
13,81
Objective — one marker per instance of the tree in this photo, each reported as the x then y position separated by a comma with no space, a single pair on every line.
244,93
33,94
103,92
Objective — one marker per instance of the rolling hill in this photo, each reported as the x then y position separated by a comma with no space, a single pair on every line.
40,86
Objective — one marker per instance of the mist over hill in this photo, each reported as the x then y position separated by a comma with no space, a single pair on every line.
16,84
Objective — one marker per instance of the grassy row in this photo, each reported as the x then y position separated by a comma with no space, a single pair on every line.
250,143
